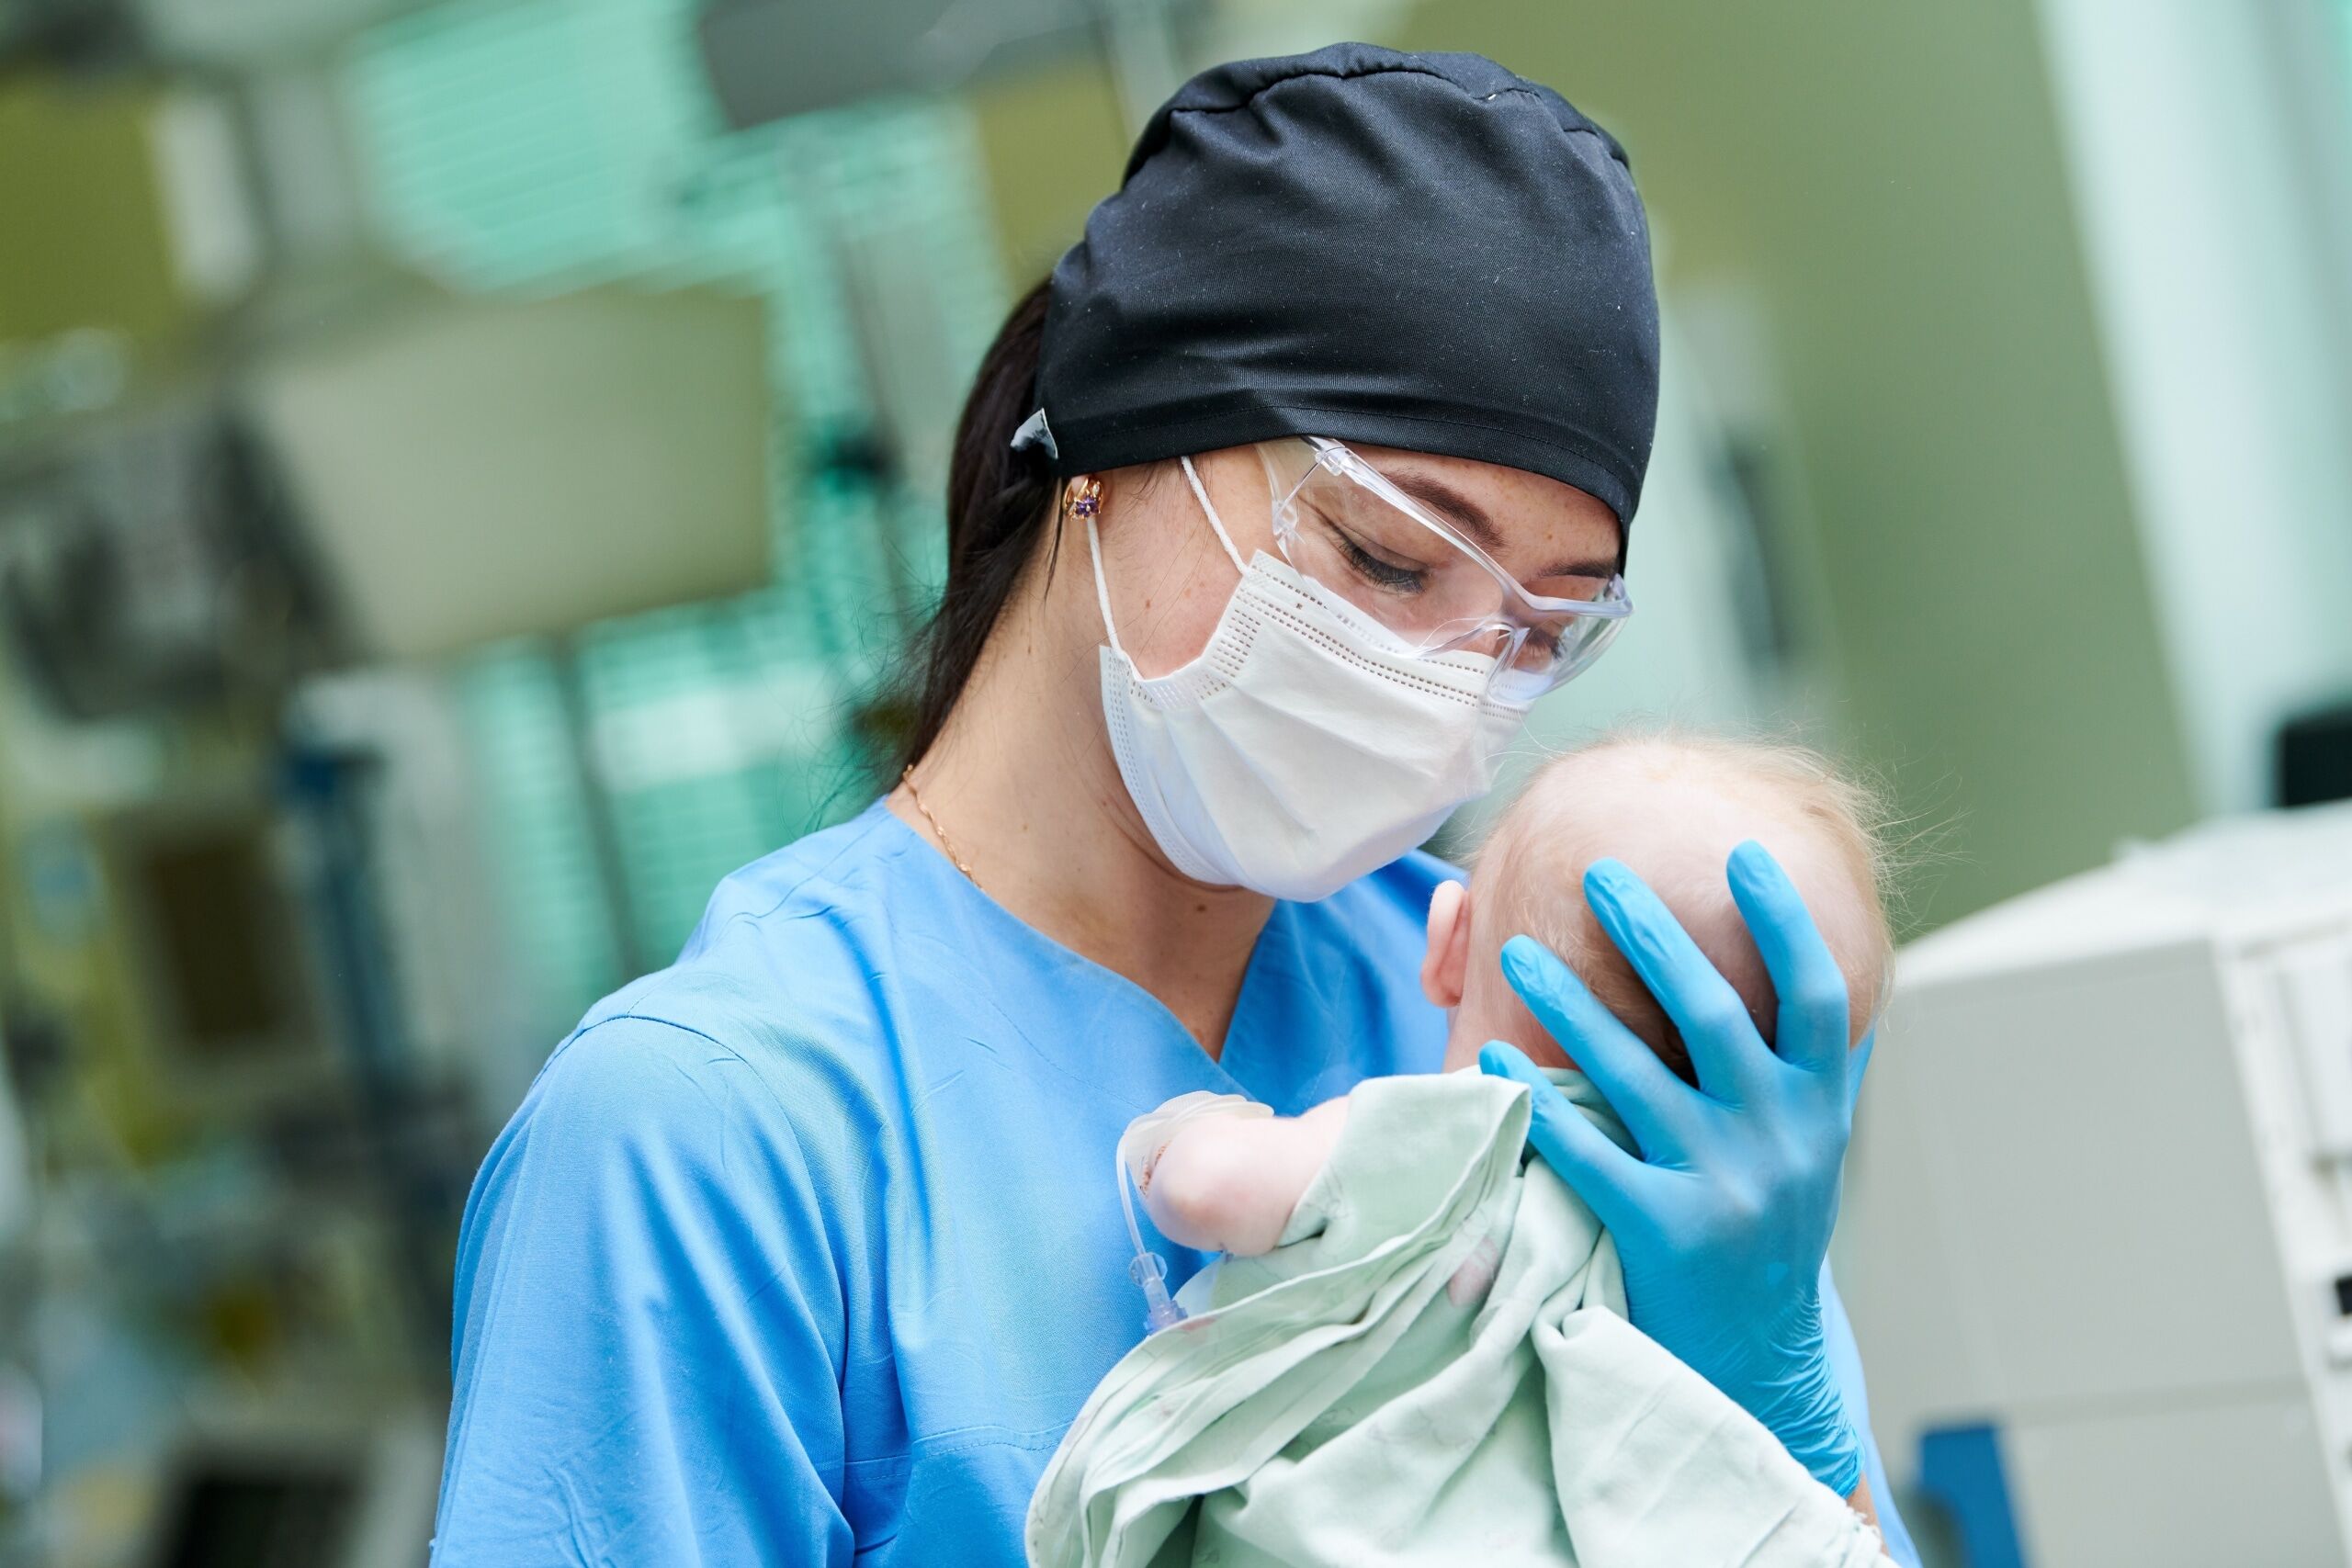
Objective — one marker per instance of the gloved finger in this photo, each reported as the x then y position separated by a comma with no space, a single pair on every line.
1643,1092
1604,1176
1813,1016
1730,1057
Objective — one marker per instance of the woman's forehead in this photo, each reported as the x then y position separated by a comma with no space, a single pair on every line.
1532,524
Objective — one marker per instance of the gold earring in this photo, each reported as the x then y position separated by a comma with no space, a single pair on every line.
1084,497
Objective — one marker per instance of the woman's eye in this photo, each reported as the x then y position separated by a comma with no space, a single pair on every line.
1384,573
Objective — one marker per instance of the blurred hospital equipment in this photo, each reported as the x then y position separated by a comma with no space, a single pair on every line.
303,1490
771,58
2313,757
150,562
249,1048
457,499
2098,1234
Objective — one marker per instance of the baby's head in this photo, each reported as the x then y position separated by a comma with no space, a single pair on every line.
1672,808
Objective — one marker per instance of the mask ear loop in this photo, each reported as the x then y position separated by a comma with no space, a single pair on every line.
1102,602
1194,478
1086,504
1094,550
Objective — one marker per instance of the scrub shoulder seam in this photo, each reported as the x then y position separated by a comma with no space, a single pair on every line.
730,1053
801,882
731,1060
632,1015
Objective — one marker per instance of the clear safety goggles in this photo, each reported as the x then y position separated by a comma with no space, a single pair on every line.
1340,522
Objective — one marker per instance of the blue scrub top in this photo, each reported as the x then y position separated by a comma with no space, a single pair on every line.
805,1250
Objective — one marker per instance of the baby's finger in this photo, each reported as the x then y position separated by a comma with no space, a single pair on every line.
1813,1019
1604,1176
1643,1092
1728,1054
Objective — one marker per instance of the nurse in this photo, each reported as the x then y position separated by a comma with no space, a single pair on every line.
1306,470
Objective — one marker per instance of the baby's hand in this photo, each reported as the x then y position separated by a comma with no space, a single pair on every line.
1227,1179
1147,1136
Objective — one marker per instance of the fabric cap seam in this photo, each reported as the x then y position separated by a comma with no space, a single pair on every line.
1394,68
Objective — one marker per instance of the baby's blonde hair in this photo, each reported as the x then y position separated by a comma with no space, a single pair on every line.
1529,873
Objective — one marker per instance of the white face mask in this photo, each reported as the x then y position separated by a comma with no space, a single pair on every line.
1306,746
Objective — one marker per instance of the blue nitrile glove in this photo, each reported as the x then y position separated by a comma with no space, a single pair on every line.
1723,1220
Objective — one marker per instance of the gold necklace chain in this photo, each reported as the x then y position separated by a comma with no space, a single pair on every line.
908,779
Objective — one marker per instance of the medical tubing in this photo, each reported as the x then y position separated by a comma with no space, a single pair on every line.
1149,1269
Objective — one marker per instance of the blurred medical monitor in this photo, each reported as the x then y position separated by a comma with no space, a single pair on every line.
218,951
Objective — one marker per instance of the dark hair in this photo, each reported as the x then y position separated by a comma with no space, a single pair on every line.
999,502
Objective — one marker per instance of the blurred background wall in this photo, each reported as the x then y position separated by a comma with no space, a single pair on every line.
467,469
1882,191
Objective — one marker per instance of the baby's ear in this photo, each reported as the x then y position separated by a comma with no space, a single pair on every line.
1447,963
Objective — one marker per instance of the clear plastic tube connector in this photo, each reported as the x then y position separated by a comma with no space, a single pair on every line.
1150,1271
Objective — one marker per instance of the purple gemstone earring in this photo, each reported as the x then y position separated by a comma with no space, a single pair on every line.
1086,497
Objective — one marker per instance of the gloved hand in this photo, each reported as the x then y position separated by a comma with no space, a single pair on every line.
1723,1222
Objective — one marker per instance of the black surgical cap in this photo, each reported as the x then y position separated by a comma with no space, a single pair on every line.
1420,251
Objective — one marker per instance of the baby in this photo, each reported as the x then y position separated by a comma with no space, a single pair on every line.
1671,808
1414,1349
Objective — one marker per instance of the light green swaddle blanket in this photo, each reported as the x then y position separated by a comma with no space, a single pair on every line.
1433,1367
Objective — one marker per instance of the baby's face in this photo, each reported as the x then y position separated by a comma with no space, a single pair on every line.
1674,826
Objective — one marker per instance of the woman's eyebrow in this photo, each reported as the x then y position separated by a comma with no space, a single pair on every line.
1471,518
1453,505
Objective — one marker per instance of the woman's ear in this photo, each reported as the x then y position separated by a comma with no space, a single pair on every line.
1446,964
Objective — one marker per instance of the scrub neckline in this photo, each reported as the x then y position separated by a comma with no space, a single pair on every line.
1277,940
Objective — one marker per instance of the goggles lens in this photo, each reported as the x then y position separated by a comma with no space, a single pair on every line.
1340,522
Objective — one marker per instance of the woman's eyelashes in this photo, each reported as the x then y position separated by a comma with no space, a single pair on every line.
1375,566
1385,574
